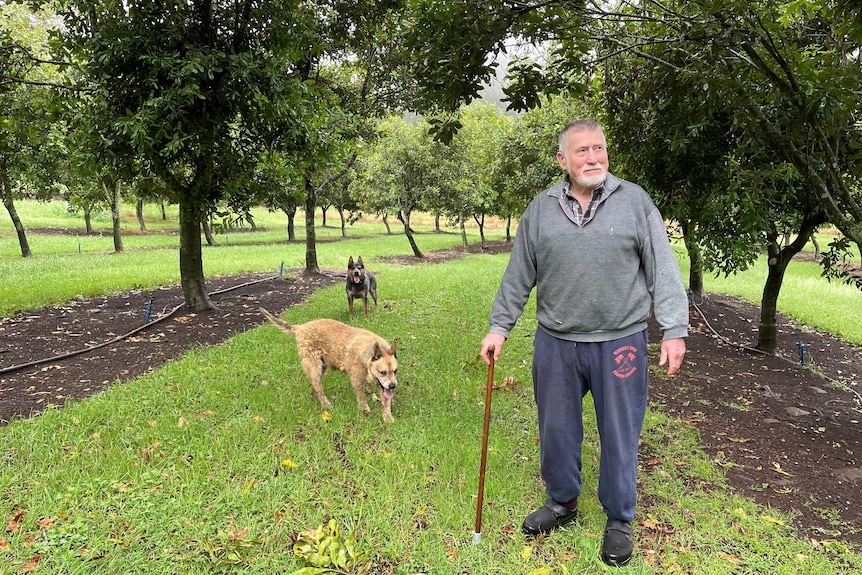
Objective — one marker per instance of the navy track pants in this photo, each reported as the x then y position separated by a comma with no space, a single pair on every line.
615,373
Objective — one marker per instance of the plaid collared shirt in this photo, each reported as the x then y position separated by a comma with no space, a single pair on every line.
572,207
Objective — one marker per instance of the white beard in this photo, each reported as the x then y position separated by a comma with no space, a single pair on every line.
591,182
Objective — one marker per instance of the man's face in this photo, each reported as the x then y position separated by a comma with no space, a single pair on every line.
585,158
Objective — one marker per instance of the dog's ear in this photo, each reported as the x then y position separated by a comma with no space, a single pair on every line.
359,261
378,353
392,347
350,262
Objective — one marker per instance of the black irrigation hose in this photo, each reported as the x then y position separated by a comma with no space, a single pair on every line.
760,351
13,368
721,337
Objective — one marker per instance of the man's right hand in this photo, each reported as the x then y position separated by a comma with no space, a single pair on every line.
495,341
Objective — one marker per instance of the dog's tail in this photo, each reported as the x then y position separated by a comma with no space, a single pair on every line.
280,324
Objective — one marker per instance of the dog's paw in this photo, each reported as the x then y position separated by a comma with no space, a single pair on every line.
387,417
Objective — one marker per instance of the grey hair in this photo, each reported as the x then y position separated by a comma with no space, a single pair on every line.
580,125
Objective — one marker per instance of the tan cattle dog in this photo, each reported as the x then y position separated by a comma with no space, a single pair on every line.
364,356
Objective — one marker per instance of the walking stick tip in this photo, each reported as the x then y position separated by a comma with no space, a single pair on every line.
477,538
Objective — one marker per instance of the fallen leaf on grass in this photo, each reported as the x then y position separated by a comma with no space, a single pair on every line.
654,525
46,522
508,384
239,534
14,524
732,558
248,486
31,565
772,520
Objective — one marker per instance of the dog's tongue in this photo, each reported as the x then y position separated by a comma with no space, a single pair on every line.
356,279
387,393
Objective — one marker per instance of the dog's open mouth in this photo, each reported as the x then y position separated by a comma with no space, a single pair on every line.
357,279
387,392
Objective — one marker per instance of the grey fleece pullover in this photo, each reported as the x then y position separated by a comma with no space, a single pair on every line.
598,282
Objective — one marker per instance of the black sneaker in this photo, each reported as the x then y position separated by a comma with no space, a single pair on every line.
617,544
548,517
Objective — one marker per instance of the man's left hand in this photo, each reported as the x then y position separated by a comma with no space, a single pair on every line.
672,352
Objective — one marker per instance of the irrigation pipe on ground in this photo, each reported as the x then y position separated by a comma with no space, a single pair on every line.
119,338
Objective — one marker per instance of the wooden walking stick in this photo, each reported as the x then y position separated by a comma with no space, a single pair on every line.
477,533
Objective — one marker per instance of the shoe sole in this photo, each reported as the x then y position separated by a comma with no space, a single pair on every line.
615,562
535,533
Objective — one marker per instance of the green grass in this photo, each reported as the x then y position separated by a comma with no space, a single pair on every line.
216,462
805,295
58,271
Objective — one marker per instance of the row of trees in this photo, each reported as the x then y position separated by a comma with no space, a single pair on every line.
741,117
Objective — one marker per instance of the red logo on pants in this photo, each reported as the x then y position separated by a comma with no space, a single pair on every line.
624,357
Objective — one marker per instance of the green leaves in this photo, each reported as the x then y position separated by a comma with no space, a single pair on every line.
329,552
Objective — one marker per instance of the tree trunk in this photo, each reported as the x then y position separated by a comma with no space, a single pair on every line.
404,217
343,222
139,211
88,219
480,221
779,259
111,189
695,272
291,224
323,215
164,212
437,223
6,191
208,232
508,229
386,223
463,229
311,266
191,260
695,258
816,248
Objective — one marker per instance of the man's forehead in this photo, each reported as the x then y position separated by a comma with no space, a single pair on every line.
585,135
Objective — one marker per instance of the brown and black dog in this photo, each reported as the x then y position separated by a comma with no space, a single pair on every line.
360,284
363,355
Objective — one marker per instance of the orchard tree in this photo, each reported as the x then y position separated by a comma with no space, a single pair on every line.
342,200
277,183
196,90
474,150
399,172
356,74
29,144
